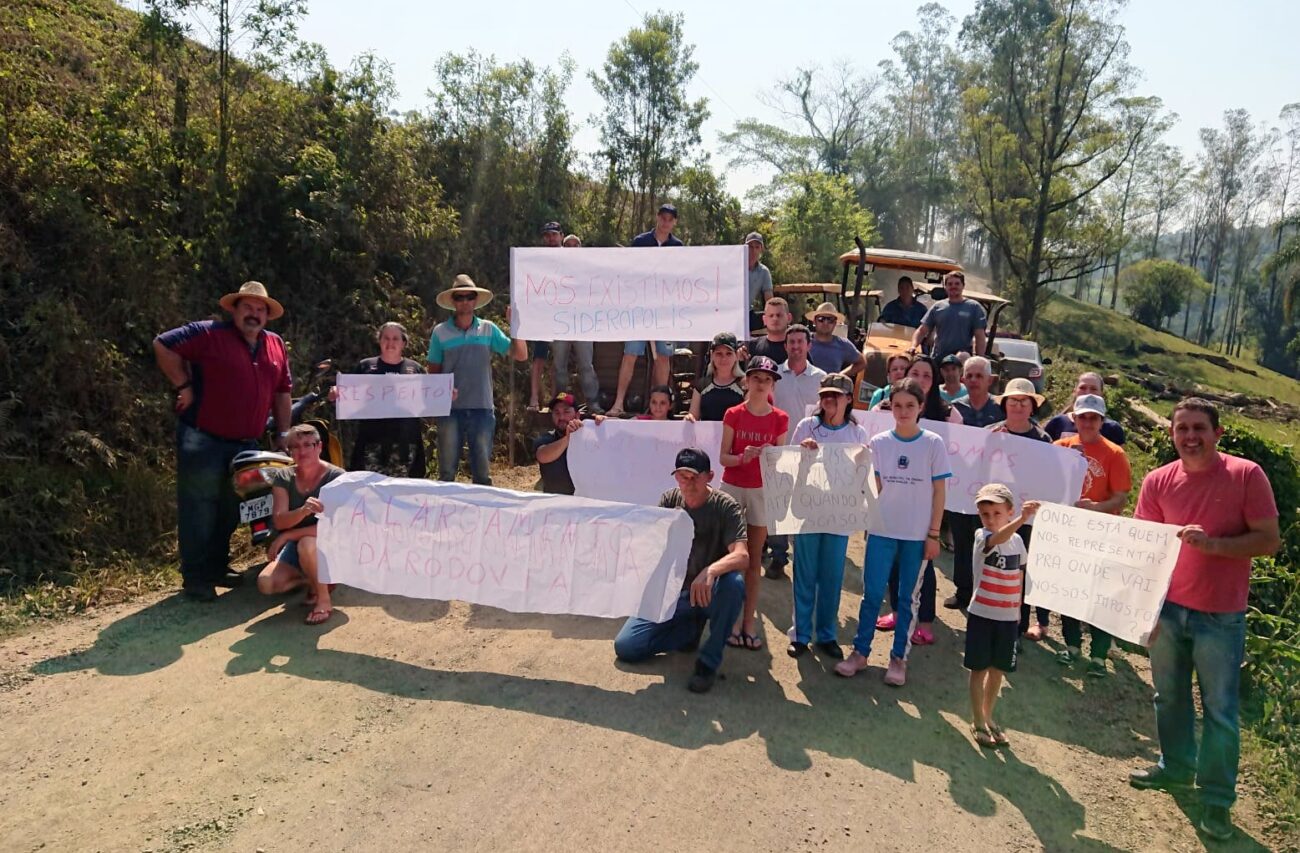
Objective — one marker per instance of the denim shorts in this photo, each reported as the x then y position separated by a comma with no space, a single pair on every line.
289,555
541,350
662,348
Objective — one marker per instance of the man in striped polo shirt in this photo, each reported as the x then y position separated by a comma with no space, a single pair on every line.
463,346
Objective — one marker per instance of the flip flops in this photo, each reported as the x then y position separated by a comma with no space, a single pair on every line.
742,640
319,616
983,737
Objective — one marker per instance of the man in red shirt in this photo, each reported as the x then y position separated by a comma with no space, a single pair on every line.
228,377
1228,515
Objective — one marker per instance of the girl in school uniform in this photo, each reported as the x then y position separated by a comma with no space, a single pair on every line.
746,430
911,473
819,557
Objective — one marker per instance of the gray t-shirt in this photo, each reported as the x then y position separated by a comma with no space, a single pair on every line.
719,521
760,282
287,479
954,325
833,356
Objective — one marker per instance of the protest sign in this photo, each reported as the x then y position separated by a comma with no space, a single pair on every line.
633,461
521,551
363,396
828,490
678,294
1102,569
1033,470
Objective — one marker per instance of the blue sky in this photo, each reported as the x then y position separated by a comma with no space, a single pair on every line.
1201,57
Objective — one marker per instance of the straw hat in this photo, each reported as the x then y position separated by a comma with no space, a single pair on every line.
1020,388
825,308
253,290
464,284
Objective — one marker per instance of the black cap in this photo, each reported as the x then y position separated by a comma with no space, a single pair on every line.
724,339
762,364
693,459
668,208
950,358
552,226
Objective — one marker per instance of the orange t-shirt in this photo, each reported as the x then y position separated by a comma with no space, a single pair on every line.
1108,468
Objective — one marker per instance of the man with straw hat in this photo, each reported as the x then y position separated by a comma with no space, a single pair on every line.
463,346
228,376
828,350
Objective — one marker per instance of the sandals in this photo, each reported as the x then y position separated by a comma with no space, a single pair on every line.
318,616
984,737
887,622
742,640
999,736
922,637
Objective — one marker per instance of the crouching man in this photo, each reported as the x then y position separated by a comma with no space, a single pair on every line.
714,589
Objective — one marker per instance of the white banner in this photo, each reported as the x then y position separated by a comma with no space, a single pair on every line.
1104,570
521,551
678,294
364,396
828,490
633,461
1033,470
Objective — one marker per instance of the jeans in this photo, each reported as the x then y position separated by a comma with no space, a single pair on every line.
925,607
963,528
1212,645
641,639
207,509
587,381
475,427
1072,630
818,579
662,348
882,551
779,545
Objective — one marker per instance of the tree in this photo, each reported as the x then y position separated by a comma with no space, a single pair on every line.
1156,290
649,127
817,221
1041,131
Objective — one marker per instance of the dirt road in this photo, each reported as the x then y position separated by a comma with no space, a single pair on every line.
164,725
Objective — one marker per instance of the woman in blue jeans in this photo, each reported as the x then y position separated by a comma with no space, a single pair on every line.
819,557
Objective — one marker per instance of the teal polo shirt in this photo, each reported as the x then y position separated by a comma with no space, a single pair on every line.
467,355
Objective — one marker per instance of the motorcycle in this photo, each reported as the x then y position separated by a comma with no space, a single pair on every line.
251,471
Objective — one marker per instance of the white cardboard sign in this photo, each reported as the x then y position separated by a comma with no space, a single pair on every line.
363,396
633,461
828,490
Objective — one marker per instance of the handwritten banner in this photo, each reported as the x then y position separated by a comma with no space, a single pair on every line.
677,294
1033,470
521,551
363,396
828,490
1101,569
633,461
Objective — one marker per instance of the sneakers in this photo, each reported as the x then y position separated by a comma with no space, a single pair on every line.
1216,822
796,649
1068,655
775,571
831,649
702,680
896,675
228,580
1097,668
952,602
887,622
851,665
1158,778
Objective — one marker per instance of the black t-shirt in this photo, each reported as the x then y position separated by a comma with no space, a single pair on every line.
393,446
719,521
1035,432
774,350
716,399
555,475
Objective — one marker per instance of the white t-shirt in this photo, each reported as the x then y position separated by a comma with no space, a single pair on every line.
999,578
849,432
907,469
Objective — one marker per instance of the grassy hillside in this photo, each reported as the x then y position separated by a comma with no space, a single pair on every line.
1075,333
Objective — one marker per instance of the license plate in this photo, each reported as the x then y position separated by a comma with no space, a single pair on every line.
250,511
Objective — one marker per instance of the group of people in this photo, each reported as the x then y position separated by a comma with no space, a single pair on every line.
229,376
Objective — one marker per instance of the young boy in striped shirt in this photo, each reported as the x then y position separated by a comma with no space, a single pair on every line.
993,617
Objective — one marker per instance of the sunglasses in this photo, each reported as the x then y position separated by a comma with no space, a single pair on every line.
464,297
825,319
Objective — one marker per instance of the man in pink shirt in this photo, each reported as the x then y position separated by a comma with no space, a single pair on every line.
1226,509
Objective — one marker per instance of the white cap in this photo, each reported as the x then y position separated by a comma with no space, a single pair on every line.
1089,403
